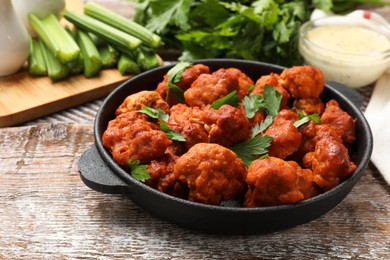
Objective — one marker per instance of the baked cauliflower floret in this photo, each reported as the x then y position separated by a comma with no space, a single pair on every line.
286,138
130,136
208,88
303,81
227,125
140,99
212,173
340,121
188,121
309,106
244,82
273,181
273,80
162,177
189,75
330,161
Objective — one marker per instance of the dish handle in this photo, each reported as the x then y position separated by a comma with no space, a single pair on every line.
97,175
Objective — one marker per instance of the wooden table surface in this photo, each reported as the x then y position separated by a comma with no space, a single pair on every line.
47,212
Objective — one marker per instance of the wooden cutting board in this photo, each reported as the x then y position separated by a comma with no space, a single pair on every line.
23,97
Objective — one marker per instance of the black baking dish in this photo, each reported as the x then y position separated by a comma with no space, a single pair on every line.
100,172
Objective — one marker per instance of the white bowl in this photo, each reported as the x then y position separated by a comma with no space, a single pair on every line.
354,61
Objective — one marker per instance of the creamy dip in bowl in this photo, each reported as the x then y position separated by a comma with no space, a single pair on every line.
348,50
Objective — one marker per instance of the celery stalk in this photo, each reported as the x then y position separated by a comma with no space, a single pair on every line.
127,65
55,37
109,56
99,42
122,23
106,32
146,58
75,66
36,62
91,56
55,69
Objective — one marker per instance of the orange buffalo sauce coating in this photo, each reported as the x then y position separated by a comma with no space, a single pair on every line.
302,161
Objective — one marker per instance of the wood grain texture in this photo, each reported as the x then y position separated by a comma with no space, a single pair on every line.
46,212
23,97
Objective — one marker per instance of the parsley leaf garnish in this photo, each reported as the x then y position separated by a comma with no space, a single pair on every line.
269,102
272,99
259,128
263,30
249,150
159,114
252,104
304,119
154,113
174,76
138,171
171,134
230,99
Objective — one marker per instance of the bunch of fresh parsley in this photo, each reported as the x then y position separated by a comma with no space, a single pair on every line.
264,30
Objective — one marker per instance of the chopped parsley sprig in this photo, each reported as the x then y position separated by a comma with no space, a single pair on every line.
138,171
171,134
250,149
305,119
260,128
256,146
272,100
269,102
174,76
252,104
159,114
154,113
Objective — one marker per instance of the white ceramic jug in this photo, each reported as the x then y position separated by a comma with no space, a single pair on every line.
41,8
14,43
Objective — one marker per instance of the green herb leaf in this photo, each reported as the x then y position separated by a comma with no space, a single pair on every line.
325,5
251,88
171,134
164,13
250,149
230,99
177,93
256,129
174,76
272,99
263,156
252,104
154,113
266,30
268,102
306,119
260,128
138,171
300,114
